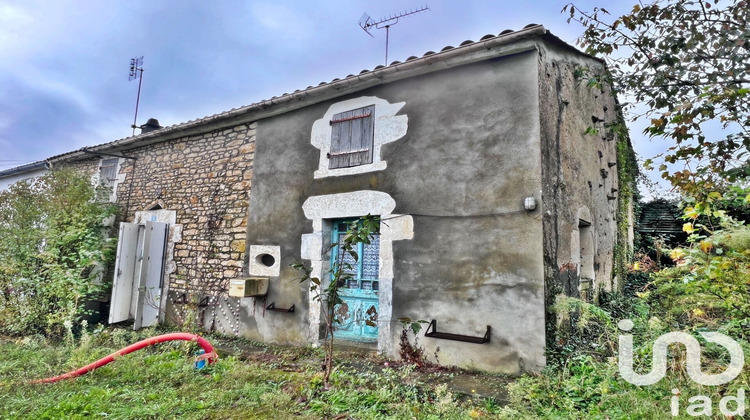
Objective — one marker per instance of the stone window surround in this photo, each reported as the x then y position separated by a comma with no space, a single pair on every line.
96,177
389,127
394,227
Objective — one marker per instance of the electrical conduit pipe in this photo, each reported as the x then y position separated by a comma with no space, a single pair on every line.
209,355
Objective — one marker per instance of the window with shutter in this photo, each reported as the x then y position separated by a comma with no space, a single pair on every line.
108,172
352,138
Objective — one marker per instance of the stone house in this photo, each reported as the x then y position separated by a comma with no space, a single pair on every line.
491,165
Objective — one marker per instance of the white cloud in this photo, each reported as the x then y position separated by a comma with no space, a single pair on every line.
55,85
283,22
11,15
203,58
13,22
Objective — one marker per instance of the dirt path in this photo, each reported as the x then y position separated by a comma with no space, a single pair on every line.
461,383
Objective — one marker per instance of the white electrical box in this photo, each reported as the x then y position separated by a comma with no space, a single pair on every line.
248,287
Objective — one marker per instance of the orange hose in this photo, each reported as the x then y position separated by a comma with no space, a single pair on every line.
209,355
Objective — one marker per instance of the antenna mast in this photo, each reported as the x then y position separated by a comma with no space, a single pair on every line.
367,23
136,72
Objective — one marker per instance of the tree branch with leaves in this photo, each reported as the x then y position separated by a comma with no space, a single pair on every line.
687,62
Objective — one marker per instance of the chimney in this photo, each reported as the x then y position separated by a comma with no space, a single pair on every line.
151,125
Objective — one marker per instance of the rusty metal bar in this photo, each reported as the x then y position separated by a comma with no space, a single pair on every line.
348,152
432,332
272,307
353,117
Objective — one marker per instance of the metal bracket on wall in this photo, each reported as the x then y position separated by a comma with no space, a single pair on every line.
272,307
181,300
432,332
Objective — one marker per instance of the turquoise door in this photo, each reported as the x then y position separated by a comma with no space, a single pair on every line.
358,313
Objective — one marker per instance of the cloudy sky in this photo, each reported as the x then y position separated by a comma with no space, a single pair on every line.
64,63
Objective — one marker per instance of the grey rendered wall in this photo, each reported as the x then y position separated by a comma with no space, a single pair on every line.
468,160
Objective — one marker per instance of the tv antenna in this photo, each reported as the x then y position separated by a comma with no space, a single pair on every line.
367,23
136,72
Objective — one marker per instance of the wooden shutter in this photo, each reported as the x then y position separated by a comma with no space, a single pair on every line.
137,286
352,138
150,277
108,171
122,285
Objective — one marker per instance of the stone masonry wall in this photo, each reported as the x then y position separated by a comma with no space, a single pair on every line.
206,180
581,183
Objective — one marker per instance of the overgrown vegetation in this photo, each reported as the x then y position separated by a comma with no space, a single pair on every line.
411,352
707,289
684,63
628,195
715,269
53,249
686,60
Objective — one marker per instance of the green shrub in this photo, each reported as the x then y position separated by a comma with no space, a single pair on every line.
582,328
53,251
707,289
710,281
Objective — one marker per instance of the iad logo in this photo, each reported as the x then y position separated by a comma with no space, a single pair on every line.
700,404
693,348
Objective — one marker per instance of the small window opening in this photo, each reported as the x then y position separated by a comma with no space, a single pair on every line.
586,270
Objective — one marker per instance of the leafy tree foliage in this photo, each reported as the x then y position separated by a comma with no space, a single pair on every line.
715,268
687,61
53,249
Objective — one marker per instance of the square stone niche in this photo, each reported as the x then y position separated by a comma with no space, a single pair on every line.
264,260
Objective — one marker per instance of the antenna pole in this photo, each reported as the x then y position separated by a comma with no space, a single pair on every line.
367,23
387,33
136,72
137,101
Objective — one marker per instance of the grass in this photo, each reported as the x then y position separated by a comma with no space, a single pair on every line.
589,389
274,382
583,380
160,382
284,383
